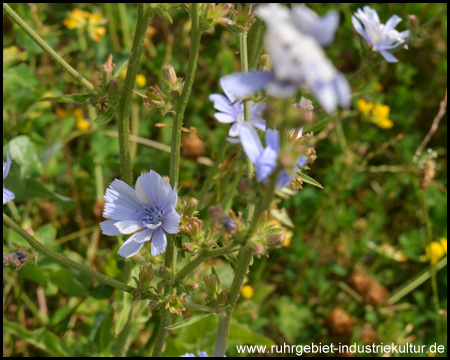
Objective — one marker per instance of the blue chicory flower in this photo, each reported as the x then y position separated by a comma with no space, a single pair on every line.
148,209
7,194
200,354
294,41
232,111
265,159
381,37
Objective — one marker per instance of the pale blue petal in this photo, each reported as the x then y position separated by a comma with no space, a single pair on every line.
241,85
260,124
325,29
273,139
171,222
388,56
108,228
126,192
251,142
302,160
128,227
284,179
159,242
266,164
393,21
142,236
222,104
360,30
234,130
225,118
6,166
7,196
118,212
130,248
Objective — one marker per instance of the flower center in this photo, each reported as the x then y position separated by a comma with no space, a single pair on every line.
152,215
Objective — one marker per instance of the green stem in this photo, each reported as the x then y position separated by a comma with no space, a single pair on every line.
161,333
193,264
243,261
112,27
187,87
36,245
123,121
52,53
170,258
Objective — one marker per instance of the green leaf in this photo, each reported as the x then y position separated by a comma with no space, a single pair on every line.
123,309
105,117
73,98
140,93
188,321
242,334
24,152
311,181
34,273
166,15
26,188
40,338
104,334
67,283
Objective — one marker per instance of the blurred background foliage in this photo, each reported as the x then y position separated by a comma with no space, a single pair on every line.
356,244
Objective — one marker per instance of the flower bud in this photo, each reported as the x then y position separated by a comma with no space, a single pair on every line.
211,284
170,75
166,274
145,276
192,286
223,297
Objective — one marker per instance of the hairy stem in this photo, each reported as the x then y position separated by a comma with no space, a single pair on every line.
123,120
36,245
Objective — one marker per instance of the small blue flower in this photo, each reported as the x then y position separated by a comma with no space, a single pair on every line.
381,37
294,41
7,195
265,159
149,209
200,354
232,111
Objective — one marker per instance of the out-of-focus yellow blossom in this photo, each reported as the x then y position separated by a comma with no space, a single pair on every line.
80,19
435,251
247,292
123,74
77,19
82,123
376,113
62,113
141,81
94,29
364,106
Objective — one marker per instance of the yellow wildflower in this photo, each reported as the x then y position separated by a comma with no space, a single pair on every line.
80,19
376,113
287,239
82,123
141,81
436,251
77,19
123,74
247,292
364,106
